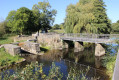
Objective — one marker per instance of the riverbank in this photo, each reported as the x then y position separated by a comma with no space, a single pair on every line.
79,57
7,38
7,59
109,63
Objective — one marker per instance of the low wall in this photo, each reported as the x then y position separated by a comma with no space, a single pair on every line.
23,38
51,40
12,49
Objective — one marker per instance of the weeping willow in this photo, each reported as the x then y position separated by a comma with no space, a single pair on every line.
80,18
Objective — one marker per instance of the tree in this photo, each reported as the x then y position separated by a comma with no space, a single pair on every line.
36,14
56,26
62,26
87,16
22,21
115,27
79,17
10,20
46,15
2,29
70,20
101,20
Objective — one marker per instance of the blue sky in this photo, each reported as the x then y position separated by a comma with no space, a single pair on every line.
59,5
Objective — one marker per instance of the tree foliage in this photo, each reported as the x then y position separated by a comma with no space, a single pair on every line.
115,27
10,20
56,26
101,20
26,21
2,28
87,16
45,15
21,21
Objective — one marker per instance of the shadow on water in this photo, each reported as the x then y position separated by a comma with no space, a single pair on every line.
67,59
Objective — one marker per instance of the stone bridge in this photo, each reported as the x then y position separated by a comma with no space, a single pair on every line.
64,40
98,39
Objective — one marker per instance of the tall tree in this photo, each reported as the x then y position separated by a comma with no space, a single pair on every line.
79,17
87,16
22,21
115,27
46,15
10,20
101,21
71,19
56,26
2,28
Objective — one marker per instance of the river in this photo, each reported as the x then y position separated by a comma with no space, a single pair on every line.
68,59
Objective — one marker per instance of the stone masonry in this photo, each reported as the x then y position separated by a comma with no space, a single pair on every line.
12,49
78,46
51,40
99,50
30,47
23,38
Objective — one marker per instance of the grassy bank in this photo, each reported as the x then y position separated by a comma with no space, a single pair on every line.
45,48
7,59
109,63
7,38
57,31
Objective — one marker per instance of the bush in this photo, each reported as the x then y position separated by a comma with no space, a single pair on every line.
2,29
109,63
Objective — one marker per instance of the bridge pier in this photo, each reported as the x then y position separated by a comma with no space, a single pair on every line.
78,46
97,62
99,50
67,44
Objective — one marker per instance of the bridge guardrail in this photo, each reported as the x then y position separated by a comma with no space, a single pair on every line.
94,36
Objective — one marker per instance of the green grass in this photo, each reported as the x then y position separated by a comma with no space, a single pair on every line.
109,63
7,59
23,41
57,31
46,48
7,38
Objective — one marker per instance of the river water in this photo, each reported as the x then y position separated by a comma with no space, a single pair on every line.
68,59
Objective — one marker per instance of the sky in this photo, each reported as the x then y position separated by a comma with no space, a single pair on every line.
60,5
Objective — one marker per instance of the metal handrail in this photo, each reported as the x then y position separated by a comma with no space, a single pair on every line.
94,36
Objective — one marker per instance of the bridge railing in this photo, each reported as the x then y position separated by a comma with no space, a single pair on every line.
94,36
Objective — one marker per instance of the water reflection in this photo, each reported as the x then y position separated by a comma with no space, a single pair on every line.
97,62
69,62
67,59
